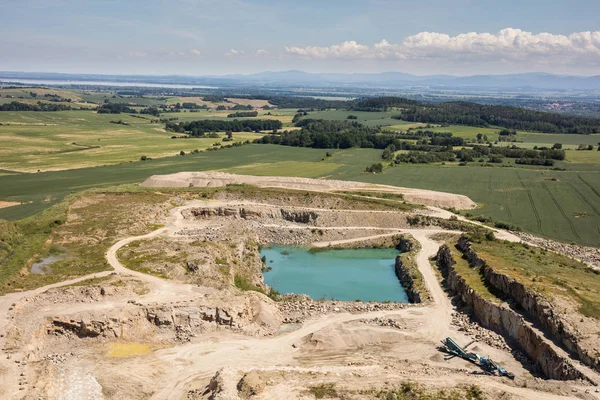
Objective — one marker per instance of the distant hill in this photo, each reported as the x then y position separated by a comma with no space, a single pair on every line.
526,81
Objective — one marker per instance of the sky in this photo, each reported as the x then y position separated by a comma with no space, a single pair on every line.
218,37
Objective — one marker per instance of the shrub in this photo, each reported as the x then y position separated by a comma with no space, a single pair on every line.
323,390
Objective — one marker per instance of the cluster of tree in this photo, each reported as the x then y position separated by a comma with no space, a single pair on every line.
198,128
375,168
324,134
243,114
307,103
154,111
53,97
535,161
512,118
585,147
115,108
241,107
298,116
193,106
425,157
515,152
427,153
214,98
18,106
381,103
420,134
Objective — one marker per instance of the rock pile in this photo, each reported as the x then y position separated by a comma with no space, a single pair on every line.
590,255
387,322
297,308
464,324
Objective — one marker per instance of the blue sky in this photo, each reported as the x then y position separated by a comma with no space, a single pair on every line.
197,37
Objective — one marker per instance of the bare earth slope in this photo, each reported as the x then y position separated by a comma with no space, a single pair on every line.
218,179
55,355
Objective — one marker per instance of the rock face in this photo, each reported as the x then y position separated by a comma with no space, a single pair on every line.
303,217
403,272
250,385
536,306
179,323
408,272
244,213
508,323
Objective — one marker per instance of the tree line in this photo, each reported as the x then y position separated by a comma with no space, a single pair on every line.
326,134
473,114
18,106
199,128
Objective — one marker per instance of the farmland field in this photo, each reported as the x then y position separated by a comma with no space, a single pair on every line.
79,150
563,205
33,141
364,117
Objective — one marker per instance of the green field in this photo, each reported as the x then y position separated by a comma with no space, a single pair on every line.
364,117
78,150
44,141
564,205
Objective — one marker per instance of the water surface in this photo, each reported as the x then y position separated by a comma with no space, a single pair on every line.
353,274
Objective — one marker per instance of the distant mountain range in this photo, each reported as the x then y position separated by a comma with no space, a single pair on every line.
526,81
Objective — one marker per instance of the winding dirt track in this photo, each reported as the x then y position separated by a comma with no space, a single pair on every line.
182,365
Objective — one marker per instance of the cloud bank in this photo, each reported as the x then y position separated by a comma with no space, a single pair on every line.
508,44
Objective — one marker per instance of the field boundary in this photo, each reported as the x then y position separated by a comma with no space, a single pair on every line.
561,211
585,200
531,201
590,186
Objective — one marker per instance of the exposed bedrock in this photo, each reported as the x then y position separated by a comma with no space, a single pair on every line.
536,306
252,317
508,323
241,212
303,217
408,272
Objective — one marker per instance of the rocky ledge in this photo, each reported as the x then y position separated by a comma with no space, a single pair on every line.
297,308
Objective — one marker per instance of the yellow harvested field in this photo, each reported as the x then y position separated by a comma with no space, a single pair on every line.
4,204
128,349
251,102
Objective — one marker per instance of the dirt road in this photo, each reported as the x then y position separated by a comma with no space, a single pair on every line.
173,370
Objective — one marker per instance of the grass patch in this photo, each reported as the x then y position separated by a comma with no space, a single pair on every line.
244,284
61,140
323,391
286,168
546,272
413,391
100,220
473,277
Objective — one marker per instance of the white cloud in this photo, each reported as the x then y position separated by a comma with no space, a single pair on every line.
194,52
136,54
233,52
260,52
508,44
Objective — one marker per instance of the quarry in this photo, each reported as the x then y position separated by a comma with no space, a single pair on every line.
181,308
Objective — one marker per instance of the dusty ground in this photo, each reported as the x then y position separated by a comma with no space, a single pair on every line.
129,334
4,204
216,179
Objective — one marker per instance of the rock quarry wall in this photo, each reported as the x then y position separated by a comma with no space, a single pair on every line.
507,322
408,272
535,305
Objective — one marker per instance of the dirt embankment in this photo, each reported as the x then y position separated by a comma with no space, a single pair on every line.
551,361
219,179
408,273
536,306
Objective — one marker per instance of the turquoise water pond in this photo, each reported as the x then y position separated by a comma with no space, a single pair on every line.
347,275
